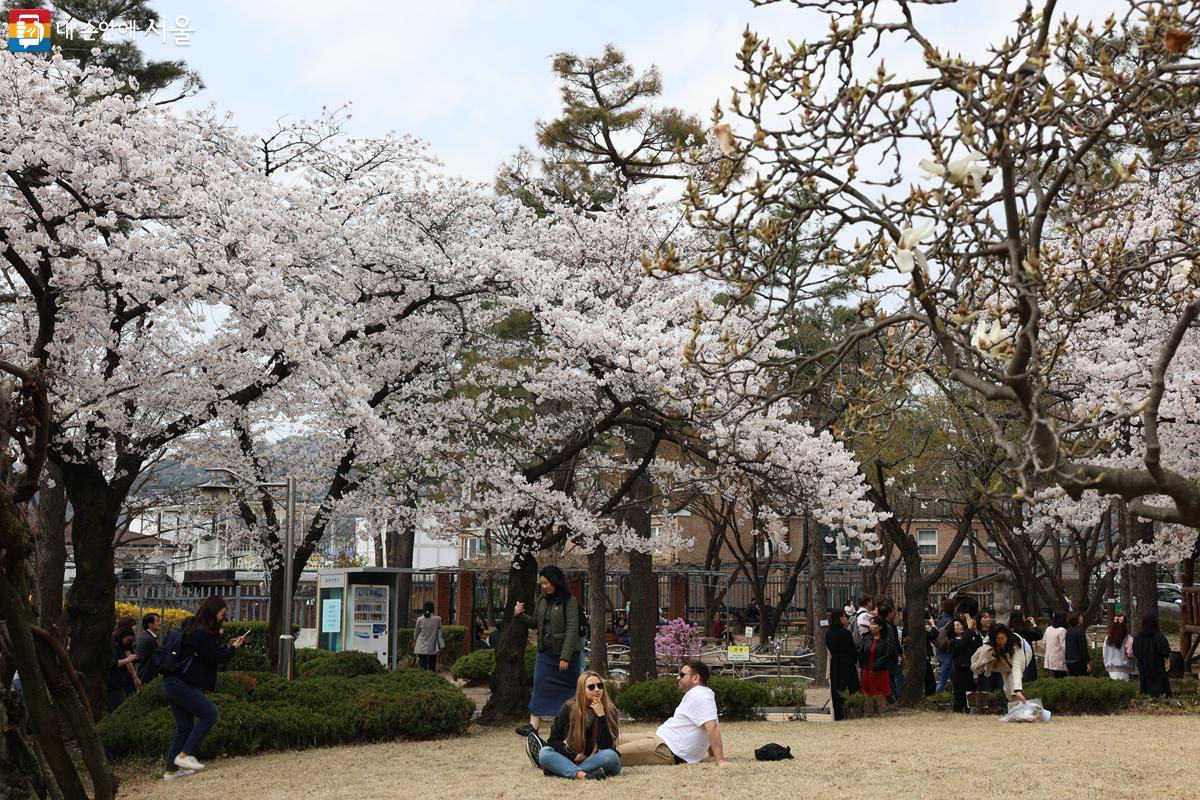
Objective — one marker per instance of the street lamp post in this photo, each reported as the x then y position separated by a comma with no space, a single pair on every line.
220,491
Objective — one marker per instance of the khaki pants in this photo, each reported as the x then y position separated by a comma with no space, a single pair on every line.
645,751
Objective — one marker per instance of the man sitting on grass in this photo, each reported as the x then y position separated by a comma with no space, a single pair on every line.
690,734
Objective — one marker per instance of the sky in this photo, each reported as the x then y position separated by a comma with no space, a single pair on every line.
471,77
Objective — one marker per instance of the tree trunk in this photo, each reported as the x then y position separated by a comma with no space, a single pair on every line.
1145,585
916,654
597,602
51,547
510,685
1189,579
643,585
401,545
91,602
817,598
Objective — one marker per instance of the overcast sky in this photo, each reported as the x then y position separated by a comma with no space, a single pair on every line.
471,76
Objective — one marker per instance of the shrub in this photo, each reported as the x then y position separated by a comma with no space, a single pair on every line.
1082,695
475,667
677,641
786,694
428,713
737,699
346,664
854,703
650,700
1096,659
171,617
306,654
275,714
247,660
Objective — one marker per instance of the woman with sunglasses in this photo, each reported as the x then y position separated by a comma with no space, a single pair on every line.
583,741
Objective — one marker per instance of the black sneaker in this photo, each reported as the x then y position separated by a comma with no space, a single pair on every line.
533,748
598,774
525,730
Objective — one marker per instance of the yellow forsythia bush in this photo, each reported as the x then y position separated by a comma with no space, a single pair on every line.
172,617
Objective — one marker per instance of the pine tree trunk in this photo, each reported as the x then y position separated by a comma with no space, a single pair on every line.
510,685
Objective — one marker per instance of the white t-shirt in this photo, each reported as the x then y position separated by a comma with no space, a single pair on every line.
684,732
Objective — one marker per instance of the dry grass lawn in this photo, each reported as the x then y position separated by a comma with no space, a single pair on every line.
909,755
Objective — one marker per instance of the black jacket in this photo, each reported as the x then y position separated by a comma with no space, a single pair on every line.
1151,649
964,647
596,736
207,654
1077,649
1031,635
885,653
147,643
843,677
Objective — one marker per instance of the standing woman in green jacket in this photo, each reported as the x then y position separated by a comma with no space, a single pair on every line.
556,670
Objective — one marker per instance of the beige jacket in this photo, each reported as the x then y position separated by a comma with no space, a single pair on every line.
985,662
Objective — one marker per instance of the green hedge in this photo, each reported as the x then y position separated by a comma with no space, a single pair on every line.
276,714
1083,695
477,667
657,699
786,693
347,664
306,654
453,634
255,654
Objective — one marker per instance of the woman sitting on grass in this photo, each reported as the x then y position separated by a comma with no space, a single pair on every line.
583,741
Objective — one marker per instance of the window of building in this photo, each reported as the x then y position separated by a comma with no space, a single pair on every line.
927,542
472,546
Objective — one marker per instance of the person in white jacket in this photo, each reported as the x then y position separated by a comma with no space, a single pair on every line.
1006,653
1119,662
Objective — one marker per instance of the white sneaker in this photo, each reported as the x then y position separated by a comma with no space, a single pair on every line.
188,762
179,773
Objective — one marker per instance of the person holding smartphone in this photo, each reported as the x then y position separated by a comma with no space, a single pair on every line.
185,688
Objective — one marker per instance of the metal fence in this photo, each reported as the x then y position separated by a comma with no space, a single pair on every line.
244,603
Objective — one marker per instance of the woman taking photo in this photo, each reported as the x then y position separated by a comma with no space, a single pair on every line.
876,656
583,740
427,638
1027,629
843,662
556,670
195,714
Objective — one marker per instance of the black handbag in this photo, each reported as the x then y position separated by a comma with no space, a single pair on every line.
773,752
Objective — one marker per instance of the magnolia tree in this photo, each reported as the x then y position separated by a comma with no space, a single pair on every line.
996,213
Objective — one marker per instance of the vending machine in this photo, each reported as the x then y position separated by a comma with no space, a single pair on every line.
369,621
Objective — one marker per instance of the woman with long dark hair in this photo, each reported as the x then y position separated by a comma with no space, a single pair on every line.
1151,649
1078,660
1118,650
427,638
556,670
1004,656
1027,629
843,661
964,641
195,715
876,656
583,740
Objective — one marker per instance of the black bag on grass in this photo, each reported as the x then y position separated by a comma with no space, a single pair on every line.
773,752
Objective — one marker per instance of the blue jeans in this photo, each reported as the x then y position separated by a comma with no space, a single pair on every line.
945,671
897,679
554,761
187,702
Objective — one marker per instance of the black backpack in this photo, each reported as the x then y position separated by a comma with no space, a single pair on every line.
773,752
171,658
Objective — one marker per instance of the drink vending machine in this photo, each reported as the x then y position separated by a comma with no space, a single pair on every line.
369,620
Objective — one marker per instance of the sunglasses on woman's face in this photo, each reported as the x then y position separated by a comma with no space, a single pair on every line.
591,687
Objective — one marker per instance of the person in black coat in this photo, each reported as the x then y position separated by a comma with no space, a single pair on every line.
964,641
185,688
147,643
843,660
1151,649
121,682
1078,661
